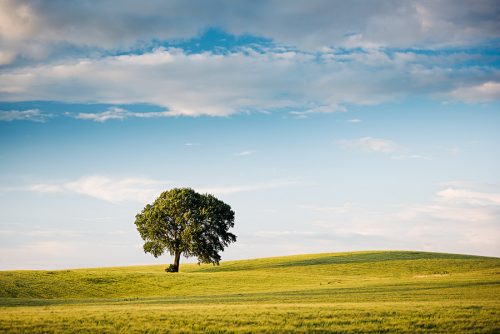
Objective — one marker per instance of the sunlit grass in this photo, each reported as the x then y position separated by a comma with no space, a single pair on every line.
343,292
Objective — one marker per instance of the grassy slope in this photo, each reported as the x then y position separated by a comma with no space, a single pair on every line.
347,292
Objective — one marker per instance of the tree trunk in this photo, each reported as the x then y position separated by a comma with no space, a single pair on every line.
176,261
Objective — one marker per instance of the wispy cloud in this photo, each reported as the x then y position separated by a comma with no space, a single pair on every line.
137,189
106,188
118,190
470,215
120,114
34,115
370,144
111,113
245,153
456,219
319,109
410,157
354,120
45,188
485,92
273,184
469,196
344,208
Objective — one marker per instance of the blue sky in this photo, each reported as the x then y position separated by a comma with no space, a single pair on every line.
327,126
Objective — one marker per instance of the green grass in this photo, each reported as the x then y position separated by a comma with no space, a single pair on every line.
379,292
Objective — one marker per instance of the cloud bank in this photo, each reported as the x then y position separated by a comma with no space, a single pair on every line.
322,56
248,81
39,29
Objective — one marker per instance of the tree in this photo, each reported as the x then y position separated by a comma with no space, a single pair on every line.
184,222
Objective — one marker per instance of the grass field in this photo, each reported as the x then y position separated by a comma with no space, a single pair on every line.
379,292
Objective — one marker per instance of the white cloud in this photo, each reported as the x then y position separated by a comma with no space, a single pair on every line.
242,80
6,57
134,189
117,190
42,28
470,217
370,144
245,153
114,190
320,109
455,220
485,92
469,196
111,113
197,84
410,156
305,68
344,208
354,120
45,188
34,115
273,184
454,151
120,114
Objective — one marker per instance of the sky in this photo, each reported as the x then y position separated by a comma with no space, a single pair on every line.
328,126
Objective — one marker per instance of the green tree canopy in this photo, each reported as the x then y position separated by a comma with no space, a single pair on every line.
184,222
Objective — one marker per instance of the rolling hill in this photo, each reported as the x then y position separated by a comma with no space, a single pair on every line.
379,292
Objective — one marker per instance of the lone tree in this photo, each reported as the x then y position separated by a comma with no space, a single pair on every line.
185,222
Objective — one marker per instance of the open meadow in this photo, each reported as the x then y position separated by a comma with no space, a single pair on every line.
379,292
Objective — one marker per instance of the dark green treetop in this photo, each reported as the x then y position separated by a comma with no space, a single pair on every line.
182,221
